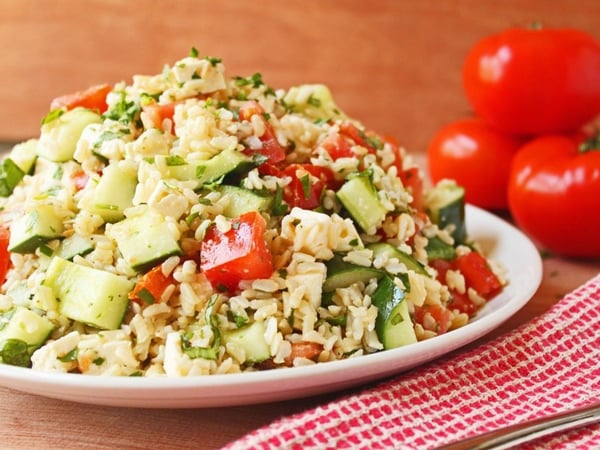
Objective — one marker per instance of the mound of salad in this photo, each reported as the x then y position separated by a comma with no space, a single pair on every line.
189,223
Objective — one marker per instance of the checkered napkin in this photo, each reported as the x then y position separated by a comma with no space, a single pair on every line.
546,366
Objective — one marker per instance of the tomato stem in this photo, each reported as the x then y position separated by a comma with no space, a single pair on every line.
590,144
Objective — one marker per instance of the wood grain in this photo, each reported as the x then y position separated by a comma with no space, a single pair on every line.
395,65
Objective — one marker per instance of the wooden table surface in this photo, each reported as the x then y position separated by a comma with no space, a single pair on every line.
393,64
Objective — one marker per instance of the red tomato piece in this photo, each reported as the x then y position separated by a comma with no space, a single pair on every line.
478,274
239,254
337,146
4,253
462,303
554,196
477,157
159,113
532,81
93,98
442,317
150,287
412,181
271,148
307,185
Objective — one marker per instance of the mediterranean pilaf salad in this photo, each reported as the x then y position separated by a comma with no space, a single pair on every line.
191,224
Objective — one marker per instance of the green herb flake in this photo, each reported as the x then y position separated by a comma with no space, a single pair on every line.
15,352
70,357
305,180
213,60
313,101
52,115
98,361
193,52
279,207
146,296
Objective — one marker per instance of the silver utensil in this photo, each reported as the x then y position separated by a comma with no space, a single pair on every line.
510,436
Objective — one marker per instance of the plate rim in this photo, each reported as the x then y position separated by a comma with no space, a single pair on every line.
200,391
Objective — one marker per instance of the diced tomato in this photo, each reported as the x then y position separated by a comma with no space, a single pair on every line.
413,182
238,254
478,274
80,179
307,185
93,98
150,287
442,317
462,303
441,266
271,148
358,136
4,253
159,113
337,146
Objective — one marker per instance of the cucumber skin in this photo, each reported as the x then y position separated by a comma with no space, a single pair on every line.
34,229
341,274
88,295
393,325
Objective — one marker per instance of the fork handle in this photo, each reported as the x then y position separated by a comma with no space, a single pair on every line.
512,435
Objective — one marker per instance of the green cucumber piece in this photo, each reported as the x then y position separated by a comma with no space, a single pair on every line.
144,240
341,274
360,199
73,246
393,325
212,169
10,175
445,204
390,251
250,338
243,200
58,138
35,228
22,324
313,100
113,194
438,249
24,155
88,295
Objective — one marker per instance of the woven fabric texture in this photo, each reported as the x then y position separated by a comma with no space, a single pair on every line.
547,366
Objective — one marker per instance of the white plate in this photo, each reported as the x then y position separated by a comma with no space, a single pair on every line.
499,239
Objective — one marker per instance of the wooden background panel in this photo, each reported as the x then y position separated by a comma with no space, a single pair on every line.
395,65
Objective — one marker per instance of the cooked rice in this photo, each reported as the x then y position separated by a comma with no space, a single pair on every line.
290,304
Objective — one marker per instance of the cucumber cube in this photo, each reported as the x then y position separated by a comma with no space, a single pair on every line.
144,240
113,194
25,325
360,200
89,295
35,228
58,138
252,340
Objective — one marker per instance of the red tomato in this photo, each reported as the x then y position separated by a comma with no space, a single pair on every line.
441,316
478,157
239,254
478,274
93,98
4,253
150,286
270,145
80,179
534,81
339,144
307,185
554,196
159,113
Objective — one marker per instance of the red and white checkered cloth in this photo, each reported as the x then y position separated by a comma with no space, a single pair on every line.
546,366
